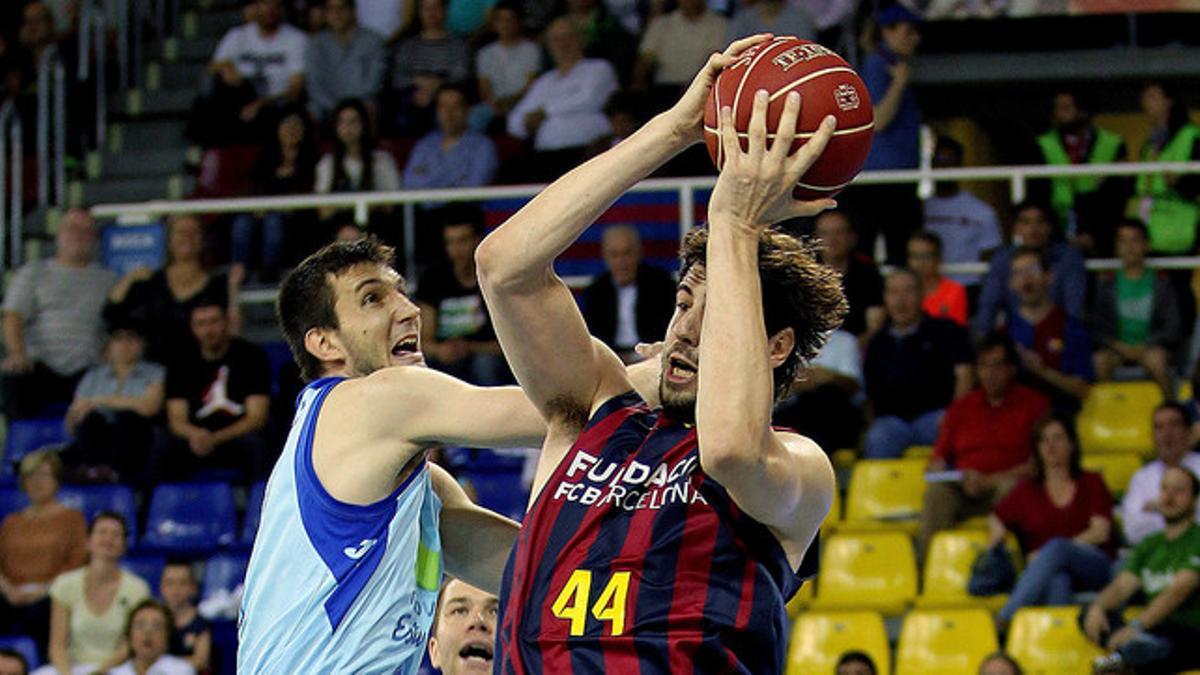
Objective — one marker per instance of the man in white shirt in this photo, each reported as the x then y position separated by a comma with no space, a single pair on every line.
631,302
506,67
1139,510
967,225
676,46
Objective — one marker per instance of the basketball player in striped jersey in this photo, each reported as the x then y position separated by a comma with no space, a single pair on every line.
667,539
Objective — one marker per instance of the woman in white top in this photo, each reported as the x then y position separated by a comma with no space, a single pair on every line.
147,634
89,605
346,168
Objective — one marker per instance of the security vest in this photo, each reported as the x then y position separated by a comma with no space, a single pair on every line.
1169,217
1064,188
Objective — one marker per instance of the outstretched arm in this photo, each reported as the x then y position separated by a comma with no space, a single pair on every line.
782,480
475,541
535,316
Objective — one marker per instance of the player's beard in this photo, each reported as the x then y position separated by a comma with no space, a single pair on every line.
679,403
359,360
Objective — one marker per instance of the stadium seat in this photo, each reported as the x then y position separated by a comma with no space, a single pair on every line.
23,645
1047,640
499,489
801,599
11,500
25,436
820,638
190,518
253,510
918,452
1116,467
844,458
952,553
885,494
147,565
1116,417
223,572
834,519
867,570
92,499
949,641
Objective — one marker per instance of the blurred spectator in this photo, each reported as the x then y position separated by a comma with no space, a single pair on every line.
1062,518
1055,348
421,63
892,209
52,326
676,46
626,111
355,165
1033,229
631,301
467,17
563,110
453,155
258,66
217,401
999,663
985,435
602,34
855,663
465,624
192,634
1166,568
37,543
914,367
1135,316
860,278
772,16
1085,204
90,605
1167,202
161,302
12,663
944,298
285,166
967,225
345,61
1141,512
822,403
456,330
507,66
113,412
385,17
149,630
349,232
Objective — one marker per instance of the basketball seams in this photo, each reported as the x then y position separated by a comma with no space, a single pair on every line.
805,135
808,78
737,97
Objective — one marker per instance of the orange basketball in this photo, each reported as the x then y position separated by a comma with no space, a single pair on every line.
827,86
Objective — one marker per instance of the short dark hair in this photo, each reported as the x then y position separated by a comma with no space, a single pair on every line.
930,238
461,213
1178,407
1083,100
856,656
1134,224
350,4
468,99
1042,258
150,603
511,6
798,292
109,515
306,299
184,563
1047,212
948,143
1001,655
998,339
14,654
1039,467
843,213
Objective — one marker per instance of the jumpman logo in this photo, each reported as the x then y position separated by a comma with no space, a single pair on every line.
357,553
216,398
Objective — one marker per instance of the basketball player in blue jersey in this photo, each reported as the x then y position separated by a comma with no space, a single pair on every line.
357,527
667,539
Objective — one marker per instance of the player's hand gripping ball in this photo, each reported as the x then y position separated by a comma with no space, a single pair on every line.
827,86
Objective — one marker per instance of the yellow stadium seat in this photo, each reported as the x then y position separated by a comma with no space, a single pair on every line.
801,599
948,569
834,517
1116,417
974,523
1116,467
949,641
885,494
1047,641
918,452
844,458
1185,391
820,638
867,570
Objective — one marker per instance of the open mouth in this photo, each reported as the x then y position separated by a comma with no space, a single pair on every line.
476,652
405,350
680,370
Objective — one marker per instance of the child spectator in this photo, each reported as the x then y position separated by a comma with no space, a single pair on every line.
191,638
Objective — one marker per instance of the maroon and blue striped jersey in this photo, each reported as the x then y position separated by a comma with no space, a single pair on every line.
633,561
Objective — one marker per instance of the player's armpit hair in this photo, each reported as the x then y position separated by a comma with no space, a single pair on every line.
567,411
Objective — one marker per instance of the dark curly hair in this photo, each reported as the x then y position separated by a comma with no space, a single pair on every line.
798,292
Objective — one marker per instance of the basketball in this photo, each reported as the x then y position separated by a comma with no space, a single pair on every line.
827,86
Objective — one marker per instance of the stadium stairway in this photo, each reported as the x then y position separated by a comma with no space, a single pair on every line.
145,153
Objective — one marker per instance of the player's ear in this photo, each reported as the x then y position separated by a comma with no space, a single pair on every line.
323,344
434,659
781,346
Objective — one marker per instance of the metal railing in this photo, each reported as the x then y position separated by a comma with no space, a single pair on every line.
12,187
51,128
93,31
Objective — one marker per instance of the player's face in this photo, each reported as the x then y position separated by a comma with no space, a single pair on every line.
466,629
177,586
681,349
378,325
1176,501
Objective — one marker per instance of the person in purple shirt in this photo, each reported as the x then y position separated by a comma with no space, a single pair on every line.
452,156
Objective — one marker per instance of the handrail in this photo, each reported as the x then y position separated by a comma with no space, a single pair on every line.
93,30
11,211
51,127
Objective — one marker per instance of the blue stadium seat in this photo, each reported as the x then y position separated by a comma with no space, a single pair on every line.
253,511
223,572
92,499
25,436
149,566
278,356
224,645
498,489
12,499
191,518
23,645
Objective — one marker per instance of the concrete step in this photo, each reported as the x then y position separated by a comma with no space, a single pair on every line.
209,23
114,190
139,135
145,164
139,102
196,50
162,75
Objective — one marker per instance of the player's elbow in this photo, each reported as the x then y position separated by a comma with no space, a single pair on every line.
725,456
496,267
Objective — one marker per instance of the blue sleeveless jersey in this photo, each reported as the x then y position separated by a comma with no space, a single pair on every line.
335,587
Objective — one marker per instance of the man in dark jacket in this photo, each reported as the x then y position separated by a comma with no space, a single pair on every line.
631,302
1135,319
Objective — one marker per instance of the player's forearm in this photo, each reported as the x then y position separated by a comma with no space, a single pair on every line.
476,544
1169,600
519,254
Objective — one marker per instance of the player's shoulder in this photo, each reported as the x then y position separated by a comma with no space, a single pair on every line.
803,449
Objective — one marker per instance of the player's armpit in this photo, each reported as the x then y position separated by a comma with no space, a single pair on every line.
475,541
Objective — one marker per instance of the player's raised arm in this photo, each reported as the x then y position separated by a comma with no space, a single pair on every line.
771,476
535,317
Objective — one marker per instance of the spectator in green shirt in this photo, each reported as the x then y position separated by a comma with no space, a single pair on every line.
1136,316
1166,567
